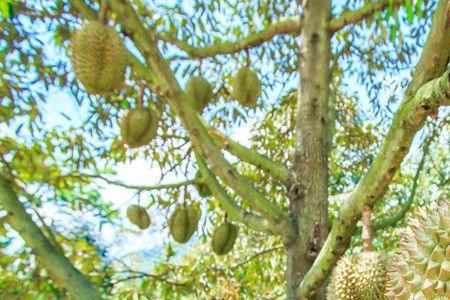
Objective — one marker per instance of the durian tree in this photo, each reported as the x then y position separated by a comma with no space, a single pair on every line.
167,81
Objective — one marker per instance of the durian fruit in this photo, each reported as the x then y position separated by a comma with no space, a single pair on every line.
138,216
200,92
202,188
223,238
183,223
359,277
246,87
138,127
420,268
99,58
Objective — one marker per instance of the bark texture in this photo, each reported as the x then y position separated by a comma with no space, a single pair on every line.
308,183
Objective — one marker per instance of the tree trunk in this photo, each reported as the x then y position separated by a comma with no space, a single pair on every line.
308,182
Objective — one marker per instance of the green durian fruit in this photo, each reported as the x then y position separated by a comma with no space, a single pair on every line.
358,277
202,188
183,223
99,58
420,268
223,238
200,92
138,127
138,216
246,87
342,281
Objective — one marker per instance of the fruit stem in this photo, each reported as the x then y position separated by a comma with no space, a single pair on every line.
103,14
366,230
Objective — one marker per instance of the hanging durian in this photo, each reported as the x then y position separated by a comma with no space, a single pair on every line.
223,238
99,58
199,91
246,87
360,277
138,127
138,216
202,187
183,223
420,268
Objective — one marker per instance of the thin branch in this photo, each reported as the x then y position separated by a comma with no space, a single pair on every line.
131,186
248,259
291,25
358,15
391,221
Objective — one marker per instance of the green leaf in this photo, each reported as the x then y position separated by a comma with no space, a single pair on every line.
409,11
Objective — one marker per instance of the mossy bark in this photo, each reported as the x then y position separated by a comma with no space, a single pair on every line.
308,182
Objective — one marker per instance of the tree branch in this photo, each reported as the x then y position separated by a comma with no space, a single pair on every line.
134,187
181,106
276,169
356,16
59,268
282,26
290,25
417,104
391,221
234,212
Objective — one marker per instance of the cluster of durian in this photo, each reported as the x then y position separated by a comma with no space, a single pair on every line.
99,58
419,268
138,216
246,89
184,222
359,277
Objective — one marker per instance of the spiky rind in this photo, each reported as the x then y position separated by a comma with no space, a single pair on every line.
223,238
420,268
246,87
358,277
199,91
138,216
202,187
99,58
138,127
183,223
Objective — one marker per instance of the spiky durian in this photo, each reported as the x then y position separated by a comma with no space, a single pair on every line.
138,216
246,87
359,277
98,57
138,127
183,223
200,92
420,268
202,187
223,238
